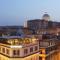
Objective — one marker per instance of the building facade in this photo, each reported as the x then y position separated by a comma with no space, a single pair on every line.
17,48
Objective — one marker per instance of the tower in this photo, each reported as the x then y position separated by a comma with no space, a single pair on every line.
25,23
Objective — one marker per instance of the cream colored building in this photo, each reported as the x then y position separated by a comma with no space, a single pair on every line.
17,48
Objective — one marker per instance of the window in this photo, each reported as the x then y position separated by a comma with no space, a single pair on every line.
7,51
25,51
31,49
16,52
36,48
3,50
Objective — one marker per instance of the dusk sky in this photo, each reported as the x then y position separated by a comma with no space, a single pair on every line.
16,12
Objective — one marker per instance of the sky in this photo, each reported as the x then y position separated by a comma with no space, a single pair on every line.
16,12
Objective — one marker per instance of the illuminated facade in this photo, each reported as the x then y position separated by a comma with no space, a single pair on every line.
17,48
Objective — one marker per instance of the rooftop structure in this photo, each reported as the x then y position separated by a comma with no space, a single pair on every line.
46,17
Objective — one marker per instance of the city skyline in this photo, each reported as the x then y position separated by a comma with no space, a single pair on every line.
15,12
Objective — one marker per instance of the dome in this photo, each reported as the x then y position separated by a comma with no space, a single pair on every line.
46,15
